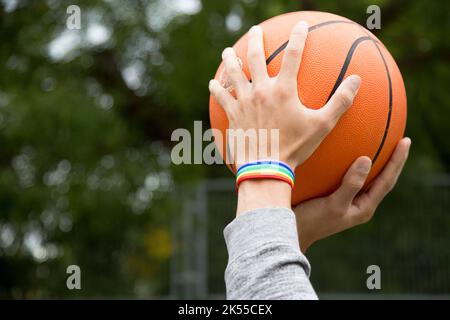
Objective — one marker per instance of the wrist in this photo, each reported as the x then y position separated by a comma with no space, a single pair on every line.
289,159
267,169
256,194
289,162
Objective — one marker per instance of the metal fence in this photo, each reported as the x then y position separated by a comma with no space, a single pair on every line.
409,239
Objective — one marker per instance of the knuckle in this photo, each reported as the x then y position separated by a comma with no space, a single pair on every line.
295,33
355,183
233,69
345,98
388,185
252,54
293,50
245,100
282,92
367,215
260,94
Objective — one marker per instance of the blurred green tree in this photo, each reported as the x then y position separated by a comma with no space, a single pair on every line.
86,117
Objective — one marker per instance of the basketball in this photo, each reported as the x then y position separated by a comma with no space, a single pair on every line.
336,47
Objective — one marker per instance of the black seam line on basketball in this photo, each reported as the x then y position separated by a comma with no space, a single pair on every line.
388,122
342,74
344,68
312,28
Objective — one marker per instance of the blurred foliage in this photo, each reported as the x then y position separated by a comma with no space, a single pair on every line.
85,123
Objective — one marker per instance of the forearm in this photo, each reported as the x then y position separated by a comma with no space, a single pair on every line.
265,261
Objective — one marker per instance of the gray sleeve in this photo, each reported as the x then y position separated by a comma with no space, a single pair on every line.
264,257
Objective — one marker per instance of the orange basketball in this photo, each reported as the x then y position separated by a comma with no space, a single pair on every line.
336,48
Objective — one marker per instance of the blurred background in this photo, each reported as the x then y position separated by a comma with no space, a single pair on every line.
85,174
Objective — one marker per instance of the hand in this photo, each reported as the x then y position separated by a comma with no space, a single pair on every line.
273,103
321,217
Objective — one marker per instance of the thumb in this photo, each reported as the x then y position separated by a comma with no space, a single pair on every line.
352,182
342,99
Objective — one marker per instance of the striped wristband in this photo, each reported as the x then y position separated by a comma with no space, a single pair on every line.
265,169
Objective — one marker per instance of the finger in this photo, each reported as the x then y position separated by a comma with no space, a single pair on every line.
387,179
255,54
293,53
341,100
223,97
234,71
352,183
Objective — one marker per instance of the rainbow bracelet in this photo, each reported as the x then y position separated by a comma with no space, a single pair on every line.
265,169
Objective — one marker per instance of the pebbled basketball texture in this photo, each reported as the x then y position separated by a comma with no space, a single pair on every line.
336,47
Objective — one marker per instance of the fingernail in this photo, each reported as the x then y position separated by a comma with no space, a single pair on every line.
408,141
225,51
364,165
355,82
303,24
255,28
